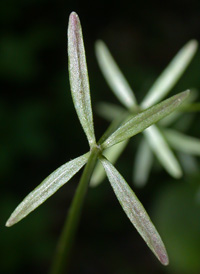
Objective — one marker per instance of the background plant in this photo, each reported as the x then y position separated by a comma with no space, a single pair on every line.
130,127
157,140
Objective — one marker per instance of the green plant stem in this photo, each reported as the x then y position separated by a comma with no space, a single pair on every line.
61,261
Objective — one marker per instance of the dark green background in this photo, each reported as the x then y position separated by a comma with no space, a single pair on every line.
39,131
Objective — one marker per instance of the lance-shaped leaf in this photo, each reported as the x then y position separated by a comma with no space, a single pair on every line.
170,75
79,77
114,76
143,164
182,142
135,212
162,151
145,119
47,188
112,154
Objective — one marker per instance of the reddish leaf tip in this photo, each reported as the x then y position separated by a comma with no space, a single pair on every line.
161,253
73,18
164,259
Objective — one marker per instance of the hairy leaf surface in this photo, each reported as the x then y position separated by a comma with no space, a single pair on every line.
47,188
79,77
135,212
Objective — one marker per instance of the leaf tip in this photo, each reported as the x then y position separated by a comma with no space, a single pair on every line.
13,219
9,222
161,253
180,97
193,44
73,21
159,250
99,44
163,258
73,17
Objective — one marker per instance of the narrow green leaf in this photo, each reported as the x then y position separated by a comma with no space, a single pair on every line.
135,212
182,142
47,188
162,151
145,119
79,77
170,75
143,163
112,154
114,76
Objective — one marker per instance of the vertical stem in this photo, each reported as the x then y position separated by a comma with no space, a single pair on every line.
65,243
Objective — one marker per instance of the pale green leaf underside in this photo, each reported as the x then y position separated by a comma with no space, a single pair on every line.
47,188
162,151
112,154
114,76
170,75
135,212
143,163
78,75
182,142
145,119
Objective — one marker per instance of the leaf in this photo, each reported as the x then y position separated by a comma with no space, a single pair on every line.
143,163
170,75
79,77
114,76
162,151
182,142
47,188
112,154
135,212
145,119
